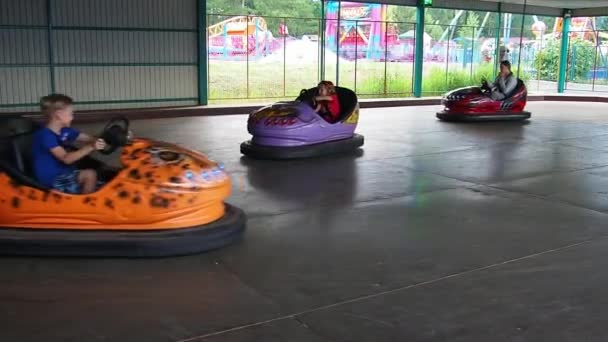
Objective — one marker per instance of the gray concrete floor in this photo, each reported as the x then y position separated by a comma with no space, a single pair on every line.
435,232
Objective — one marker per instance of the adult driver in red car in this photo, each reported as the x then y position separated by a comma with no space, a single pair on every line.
505,83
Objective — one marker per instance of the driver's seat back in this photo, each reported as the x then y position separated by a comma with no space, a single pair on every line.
307,95
518,90
20,132
348,99
22,152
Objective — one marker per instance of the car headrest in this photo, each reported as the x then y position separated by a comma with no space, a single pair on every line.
348,100
14,126
306,95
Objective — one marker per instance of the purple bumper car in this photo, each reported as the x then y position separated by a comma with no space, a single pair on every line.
291,130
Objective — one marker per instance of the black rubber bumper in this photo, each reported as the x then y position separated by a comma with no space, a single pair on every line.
134,244
502,116
283,153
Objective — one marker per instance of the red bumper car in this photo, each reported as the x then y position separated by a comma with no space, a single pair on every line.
475,104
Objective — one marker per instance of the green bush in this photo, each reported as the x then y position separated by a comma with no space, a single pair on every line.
547,61
581,58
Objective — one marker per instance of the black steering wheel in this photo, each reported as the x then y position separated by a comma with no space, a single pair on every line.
115,134
485,87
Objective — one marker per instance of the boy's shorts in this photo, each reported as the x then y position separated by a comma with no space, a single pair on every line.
68,183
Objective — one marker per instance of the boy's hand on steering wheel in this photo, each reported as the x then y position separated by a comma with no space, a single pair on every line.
99,144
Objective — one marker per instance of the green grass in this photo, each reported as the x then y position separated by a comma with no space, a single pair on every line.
239,81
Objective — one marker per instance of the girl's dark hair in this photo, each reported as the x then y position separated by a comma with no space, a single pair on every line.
506,63
329,85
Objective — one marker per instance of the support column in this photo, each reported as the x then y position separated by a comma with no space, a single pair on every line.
563,55
338,44
201,18
497,51
322,43
49,33
419,51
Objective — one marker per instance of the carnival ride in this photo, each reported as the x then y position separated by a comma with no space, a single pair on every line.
241,37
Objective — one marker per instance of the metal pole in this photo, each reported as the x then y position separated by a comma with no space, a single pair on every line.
497,52
472,54
521,37
538,71
320,34
419,52
284,58
201,18
247,56
322,42
563,56
356,48
597,46
483,23
49,32
385,54
338,44
447,65
452,23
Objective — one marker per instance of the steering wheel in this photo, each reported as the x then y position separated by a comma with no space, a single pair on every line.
485,87
115,134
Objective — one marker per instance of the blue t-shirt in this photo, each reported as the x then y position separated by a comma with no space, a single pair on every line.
46,166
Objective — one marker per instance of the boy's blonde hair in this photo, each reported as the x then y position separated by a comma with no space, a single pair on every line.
54,102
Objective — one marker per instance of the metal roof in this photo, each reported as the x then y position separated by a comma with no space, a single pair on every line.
554,8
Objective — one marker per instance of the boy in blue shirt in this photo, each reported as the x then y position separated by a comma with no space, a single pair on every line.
51,162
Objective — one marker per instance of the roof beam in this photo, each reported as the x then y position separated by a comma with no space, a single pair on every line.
590,12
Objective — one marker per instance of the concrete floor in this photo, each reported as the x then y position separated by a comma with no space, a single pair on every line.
436,232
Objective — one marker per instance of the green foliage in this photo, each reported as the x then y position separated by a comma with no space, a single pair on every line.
401,14
601,23
292,10
229,7
434,29
580,60
468,31
547,60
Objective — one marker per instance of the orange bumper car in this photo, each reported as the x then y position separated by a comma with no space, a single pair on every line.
165,200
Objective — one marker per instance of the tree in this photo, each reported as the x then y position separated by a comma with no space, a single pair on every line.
301,16
228,7
581,57
472,23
